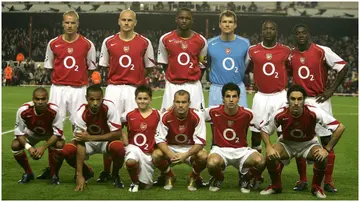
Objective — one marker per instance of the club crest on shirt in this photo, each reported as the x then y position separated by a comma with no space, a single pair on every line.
183,45
143,126
228,51
70,50
268,56
39,130
126,49
230,123
302,60
94,129
181,128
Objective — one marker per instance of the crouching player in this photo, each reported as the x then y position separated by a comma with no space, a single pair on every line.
230,123
298,139
37,121
141,126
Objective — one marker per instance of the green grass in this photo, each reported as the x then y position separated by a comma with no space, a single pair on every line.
345,174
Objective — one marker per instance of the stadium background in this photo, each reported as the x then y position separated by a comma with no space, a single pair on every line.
28,26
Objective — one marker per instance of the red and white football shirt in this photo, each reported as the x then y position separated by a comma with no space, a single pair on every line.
229,131
126,59
310,67
70,61
302,128
182,56
190,131
269,66
141,131
105,121
29,123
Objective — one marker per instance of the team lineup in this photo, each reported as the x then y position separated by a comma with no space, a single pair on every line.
301,113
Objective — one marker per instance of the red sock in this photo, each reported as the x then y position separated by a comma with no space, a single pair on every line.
219,175
133,171
22,159
301,166
117,152
107,163
197,168
162,165
274,169
51,158
254,172
329,167
69,153
318,174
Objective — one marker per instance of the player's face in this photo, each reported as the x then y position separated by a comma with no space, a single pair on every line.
70,24
127,21
181,103
94,100
231,99
301,35
40,100
269,31
296,103
184,20
143,100
227,25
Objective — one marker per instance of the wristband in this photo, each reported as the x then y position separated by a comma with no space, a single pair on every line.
27,146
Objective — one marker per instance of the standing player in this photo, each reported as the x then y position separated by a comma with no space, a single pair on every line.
141,126
181,52
128,56
36,121
226,56
180,138
268,61
230,123
68,59
298,139
310,64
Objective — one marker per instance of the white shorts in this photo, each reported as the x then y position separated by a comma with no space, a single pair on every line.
68,99
145,163
326,106
264,105
194,88
298,149
235,157
215,95
123,96
181,149
93,147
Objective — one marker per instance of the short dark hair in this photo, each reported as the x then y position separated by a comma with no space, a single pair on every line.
231,87
40,89
94,88
228,13
183,9
300,25
296,87
182,92
143,89
268,21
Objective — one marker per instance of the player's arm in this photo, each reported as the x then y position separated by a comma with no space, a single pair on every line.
80,158
149,60
104,56
203,58
162,58
160,139
165,149
268,129
91,59
19,131
113,135
335,137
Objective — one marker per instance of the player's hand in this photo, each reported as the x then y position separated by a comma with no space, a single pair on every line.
32,152
324,96
82,136
182,157
174,159
321,154
39,152
272,153
80,183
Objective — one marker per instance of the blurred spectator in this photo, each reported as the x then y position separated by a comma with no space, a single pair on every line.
205,7
159,6
8,74
252,7
231,6
20,57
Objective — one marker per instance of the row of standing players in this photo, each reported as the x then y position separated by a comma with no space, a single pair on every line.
184,54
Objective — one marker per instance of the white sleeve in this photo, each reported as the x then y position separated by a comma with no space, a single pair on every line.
80,125
161,132
325,119
203,52
49,57
58,124
20,125
269,126
123,117
113,117
91,57
200,131
207,114
247,59
104,55
162,52
149,60
333,60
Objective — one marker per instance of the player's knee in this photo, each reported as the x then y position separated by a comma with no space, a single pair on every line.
213,162
131,163
16,146
157,155
202,156
69,150
60,144
116,148
259,161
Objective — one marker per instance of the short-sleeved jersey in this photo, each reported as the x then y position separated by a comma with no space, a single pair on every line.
190,131
106,120
227,60
302,128
269,66
126,59
141,131
70,61
310,67
182,56
29,123
229,131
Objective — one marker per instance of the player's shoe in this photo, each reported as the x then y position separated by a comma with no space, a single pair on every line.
160,181
104,176
117,182
55,180
89,174
200,183
214,184
330,187
191,184
45,174
245,187
26,178
300,186
169,183
318,191
271,190
134,187
257,182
